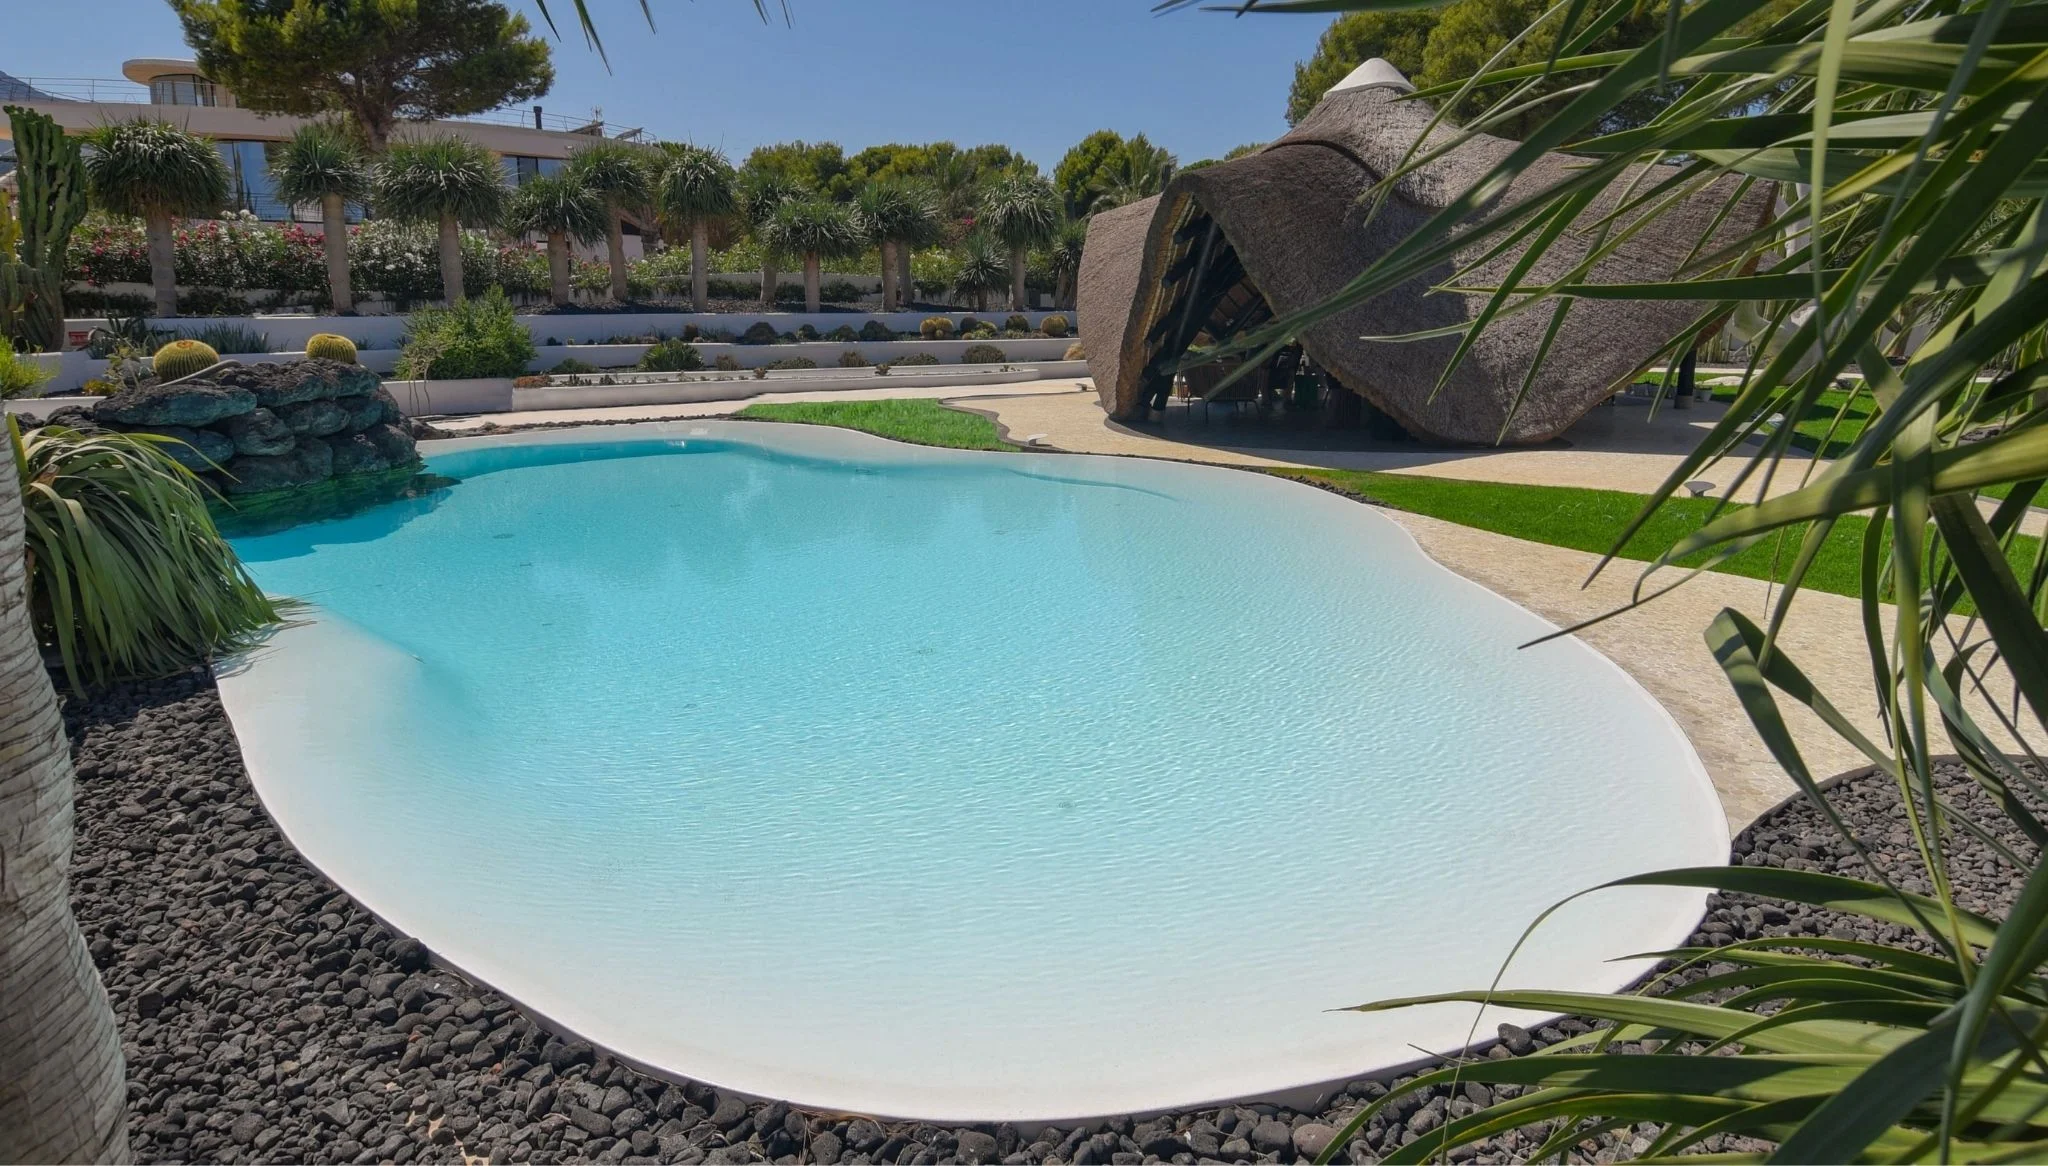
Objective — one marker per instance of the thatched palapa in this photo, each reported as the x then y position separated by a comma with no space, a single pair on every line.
1290,230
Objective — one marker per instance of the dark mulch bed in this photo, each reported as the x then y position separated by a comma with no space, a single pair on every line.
266,1017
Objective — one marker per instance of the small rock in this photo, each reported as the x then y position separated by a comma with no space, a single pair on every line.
1271,1136
975,1146
1312,1139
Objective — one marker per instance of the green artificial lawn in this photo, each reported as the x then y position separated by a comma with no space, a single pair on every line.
1830,430
1590,520
919,421
1559,516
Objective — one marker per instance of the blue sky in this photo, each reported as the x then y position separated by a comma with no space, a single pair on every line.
1035,76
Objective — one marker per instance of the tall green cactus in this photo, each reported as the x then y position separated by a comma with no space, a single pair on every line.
51,171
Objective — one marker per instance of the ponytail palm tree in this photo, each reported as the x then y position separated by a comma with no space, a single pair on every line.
450,182
818,230
158,173
900,217
983,269
1020,211
560,208
696,187
761,195
322,164
618,174
1064,254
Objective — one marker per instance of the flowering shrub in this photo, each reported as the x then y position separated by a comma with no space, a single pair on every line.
235,251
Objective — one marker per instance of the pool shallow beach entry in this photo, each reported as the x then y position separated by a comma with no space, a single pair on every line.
951,785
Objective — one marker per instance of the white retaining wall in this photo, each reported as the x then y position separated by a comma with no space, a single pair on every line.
74,368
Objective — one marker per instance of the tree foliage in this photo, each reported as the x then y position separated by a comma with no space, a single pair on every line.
318,161
547,203
379,62
695,183
1080,169
422,181
153,168
1446,45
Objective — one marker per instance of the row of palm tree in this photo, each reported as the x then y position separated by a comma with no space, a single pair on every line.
160,173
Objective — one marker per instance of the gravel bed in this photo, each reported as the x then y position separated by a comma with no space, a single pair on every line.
266,1017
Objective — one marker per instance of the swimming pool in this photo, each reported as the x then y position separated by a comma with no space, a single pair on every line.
950,785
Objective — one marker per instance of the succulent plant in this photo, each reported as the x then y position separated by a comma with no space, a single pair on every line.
1076,351
983,354
874,331
672,356
1055,326
935,328
761,333
844,334
328,346
182,358
726,362
916,358
852,358
806,333
1017,322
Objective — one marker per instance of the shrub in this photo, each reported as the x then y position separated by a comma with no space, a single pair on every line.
806,333
128,575
726,362
539,381
761,333
935,328
328,346
1076,351
478,337
852,358
792,363
20,376
983,354
1055,326
1017,322
570,367
916,358
839,291
182,358
672,356
844,334
875,331
726,289
239,338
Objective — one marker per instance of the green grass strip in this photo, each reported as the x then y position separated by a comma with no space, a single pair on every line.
919,421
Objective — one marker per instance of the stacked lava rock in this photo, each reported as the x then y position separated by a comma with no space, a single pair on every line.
270,426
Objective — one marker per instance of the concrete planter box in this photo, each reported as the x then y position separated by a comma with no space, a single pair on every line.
740,388
382,332
481,395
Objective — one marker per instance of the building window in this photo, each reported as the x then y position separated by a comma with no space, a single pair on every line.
249,164
185,89
520,168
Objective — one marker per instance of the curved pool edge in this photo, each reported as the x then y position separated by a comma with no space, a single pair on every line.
242,696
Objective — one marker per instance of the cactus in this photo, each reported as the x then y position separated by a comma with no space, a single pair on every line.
51,172
1017,322
875,330
182,358
328,346
852,358
1077,351
935,328
1055,326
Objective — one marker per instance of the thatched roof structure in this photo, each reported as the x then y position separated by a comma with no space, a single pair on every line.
1292,231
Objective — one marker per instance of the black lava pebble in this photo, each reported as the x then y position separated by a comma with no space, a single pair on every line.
266,1017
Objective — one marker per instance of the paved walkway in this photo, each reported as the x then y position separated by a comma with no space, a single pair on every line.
1619,448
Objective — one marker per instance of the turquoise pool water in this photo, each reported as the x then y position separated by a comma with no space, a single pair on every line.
951,785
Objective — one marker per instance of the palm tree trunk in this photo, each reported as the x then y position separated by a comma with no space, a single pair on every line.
334,239
558,268
768,277
906,283
615,249
65,1097
451,260
700,264
163,273
888,275
1018,262
811,268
